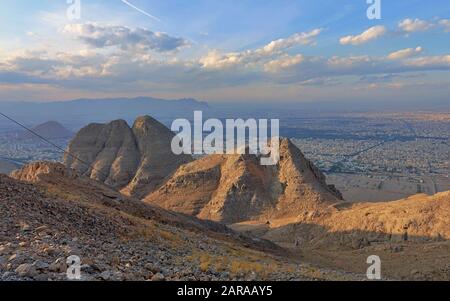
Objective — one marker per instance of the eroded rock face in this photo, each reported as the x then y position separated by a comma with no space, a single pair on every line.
235,188
157,160
134,160
34,172
305,188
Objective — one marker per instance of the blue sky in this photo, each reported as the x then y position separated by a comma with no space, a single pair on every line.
227,50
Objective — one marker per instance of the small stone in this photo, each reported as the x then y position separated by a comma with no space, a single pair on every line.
252,276
152,268
85,268
106,275
50,251
158,277
4,250
41,265
25,227
26,270
41,228
41,277
225,275
59,266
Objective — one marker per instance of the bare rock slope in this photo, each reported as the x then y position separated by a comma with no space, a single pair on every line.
419,218
134,160
49,212
234,188
412,236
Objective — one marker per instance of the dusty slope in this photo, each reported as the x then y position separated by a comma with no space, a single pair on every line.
135,159
233,188
62,213
411,236
419,218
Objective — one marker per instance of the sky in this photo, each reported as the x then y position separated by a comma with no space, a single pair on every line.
225,50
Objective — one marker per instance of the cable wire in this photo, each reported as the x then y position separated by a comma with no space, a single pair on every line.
53,144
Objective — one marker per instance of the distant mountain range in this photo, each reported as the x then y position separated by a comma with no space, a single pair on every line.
76,113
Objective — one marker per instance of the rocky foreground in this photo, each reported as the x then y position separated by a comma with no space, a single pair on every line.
49,213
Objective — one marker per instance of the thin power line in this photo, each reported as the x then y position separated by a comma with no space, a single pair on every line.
53,144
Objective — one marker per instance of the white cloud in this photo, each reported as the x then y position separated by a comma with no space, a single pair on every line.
370,34
100,36
303,38
349,61
283,62
405,53
430,62
414,25
215,60
446,24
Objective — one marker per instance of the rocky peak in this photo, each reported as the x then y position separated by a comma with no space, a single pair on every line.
134,160
235,188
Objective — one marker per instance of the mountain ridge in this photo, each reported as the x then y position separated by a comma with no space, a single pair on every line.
79,112
233,188
134,160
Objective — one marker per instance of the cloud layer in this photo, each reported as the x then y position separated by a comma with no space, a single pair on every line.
216,60
370,34
100,36
117,58
405,53
414,25
445,23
